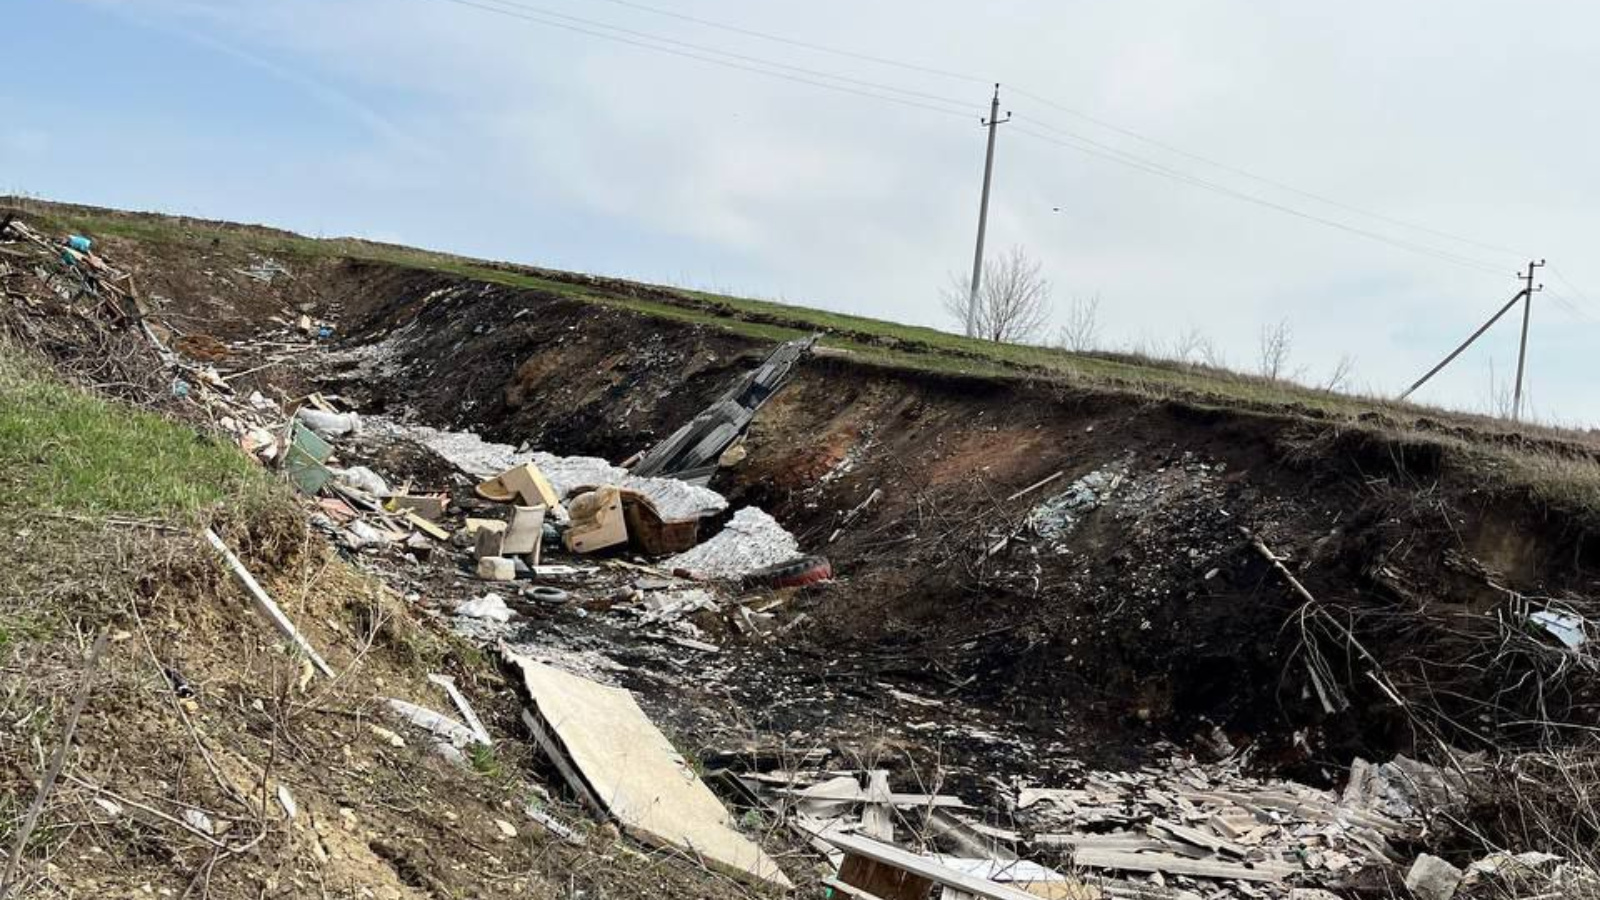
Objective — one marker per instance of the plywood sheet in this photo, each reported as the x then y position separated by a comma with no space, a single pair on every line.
634,772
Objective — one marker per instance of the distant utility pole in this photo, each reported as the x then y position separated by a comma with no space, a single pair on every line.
1526,296
992,123
1522,349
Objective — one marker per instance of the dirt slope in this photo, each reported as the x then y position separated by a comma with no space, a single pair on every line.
1073,559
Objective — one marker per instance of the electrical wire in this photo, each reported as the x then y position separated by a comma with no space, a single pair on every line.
1587,303
954,107
1045,101
1245,173
704,53
806,45
1104,151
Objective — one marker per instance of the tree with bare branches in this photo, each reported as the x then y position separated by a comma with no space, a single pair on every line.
1013,302
1081,331
1273,355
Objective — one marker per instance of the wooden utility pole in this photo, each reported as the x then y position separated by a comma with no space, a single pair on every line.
1528,291
992,123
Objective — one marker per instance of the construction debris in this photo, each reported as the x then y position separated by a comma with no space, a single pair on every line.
751,540
612,755
690,453
491,607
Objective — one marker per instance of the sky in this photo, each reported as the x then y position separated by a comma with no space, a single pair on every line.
1372,174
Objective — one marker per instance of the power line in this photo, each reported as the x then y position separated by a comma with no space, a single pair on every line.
700,51
1105,151
1094,120
807,45
1590,304
1245,173
949,106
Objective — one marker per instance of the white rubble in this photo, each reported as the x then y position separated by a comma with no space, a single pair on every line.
490,606
751,540
483,459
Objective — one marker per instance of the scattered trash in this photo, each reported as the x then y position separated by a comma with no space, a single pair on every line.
330,426
199,821
437,724
1056,517
362,479
797,572
752,540
491,607
1567,628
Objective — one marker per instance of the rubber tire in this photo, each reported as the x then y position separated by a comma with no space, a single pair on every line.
797,572
546,594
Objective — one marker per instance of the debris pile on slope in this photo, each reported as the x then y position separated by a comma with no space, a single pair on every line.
752,540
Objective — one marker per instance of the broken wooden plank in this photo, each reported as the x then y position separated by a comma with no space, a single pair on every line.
424,526
1171,864
923,867
643,782
265,605
854,793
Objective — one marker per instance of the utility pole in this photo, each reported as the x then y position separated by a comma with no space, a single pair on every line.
1526,296
1528,291
992,123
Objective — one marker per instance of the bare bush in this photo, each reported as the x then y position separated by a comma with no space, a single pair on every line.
1339,378
1273,357
1013,301
1081,331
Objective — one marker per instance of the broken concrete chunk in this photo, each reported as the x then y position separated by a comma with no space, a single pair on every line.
497,568
1431,878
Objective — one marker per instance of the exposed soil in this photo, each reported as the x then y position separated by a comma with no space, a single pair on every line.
1045,640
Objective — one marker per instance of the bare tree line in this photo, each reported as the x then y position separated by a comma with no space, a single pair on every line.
1013,305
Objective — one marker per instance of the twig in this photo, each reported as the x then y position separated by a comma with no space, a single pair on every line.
54,772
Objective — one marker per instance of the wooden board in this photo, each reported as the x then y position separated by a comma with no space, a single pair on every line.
924,867
1169,864
632,770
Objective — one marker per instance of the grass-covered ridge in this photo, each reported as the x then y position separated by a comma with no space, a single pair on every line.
65,450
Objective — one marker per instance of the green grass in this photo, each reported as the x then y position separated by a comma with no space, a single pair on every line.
63,449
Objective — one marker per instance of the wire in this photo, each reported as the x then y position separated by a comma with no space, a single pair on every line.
1244,173
807,45
1154,142
947,106
1587,303
1104,151
1566,304
586,26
